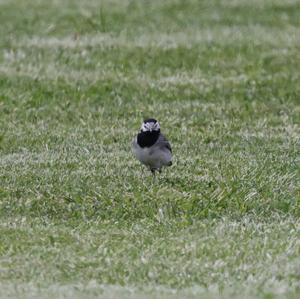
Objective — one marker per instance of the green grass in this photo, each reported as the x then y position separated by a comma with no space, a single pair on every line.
80,218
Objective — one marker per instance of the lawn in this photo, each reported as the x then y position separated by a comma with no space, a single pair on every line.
81,218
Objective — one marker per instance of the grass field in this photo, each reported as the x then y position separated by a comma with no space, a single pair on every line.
80,218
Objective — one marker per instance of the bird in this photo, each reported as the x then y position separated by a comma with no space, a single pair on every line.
151,147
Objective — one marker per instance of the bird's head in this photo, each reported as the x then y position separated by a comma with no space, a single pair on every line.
150,125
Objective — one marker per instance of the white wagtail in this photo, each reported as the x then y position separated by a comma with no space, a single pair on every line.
151,147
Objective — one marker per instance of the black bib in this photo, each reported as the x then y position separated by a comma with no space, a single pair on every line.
147,139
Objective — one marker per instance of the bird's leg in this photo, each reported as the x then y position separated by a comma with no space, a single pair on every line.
154,177
153,172
143,169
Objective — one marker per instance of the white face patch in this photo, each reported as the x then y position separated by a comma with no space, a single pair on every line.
150,126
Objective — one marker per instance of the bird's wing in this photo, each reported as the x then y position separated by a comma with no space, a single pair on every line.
164,143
